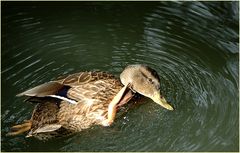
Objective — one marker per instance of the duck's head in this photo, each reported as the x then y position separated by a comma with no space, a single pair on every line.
145,81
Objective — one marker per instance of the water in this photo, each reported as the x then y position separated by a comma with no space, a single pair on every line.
192,45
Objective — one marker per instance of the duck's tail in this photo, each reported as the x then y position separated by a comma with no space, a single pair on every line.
20,128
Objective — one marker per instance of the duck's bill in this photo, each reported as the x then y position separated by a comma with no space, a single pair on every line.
157,98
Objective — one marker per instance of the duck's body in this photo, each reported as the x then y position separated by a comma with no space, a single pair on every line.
76,102
92,91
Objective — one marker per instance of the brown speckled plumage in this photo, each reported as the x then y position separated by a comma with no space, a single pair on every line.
93,98
93,91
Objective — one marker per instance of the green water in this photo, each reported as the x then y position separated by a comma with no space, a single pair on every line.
192,45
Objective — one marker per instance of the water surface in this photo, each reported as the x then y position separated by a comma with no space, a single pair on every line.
192,45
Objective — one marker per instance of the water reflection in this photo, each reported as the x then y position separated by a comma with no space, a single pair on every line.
192,45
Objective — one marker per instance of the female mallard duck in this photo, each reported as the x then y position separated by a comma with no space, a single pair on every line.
84,99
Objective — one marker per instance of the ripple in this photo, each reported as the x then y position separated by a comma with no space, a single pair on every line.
193,46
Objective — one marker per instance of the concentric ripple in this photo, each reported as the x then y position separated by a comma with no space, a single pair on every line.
192,45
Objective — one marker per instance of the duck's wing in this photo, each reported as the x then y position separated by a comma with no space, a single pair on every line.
84,78
53,87
59,88
49,88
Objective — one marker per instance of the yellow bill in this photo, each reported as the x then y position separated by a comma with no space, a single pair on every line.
161,101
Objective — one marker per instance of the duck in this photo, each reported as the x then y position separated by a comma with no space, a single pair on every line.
81,100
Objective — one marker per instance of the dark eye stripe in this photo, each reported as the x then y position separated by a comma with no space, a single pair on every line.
153,72
144,74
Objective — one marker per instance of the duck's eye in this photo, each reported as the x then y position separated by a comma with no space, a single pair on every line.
150,80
